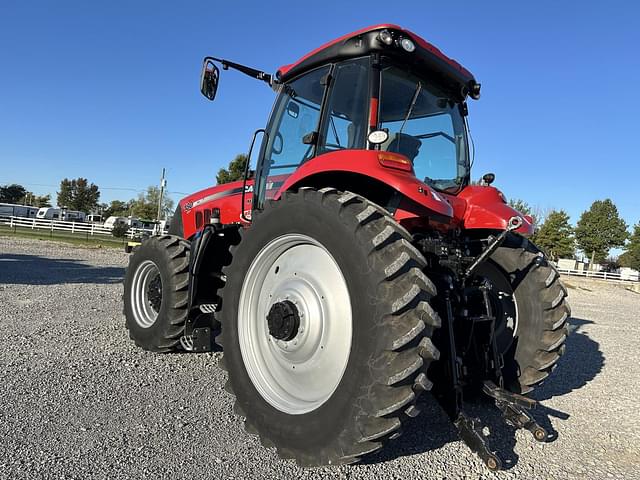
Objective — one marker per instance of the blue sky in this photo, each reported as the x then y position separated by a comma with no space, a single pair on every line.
109,90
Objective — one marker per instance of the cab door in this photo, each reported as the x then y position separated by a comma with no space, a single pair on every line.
292,133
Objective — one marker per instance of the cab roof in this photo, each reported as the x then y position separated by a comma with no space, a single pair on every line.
367,40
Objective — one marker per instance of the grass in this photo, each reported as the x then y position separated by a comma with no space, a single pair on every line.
61,236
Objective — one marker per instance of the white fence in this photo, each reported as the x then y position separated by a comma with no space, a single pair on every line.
80,228
601,275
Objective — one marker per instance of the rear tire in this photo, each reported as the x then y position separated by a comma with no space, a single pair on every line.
542,314
391,322
155,293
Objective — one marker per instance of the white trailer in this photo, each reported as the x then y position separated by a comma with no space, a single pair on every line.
113,221
13,210
51,213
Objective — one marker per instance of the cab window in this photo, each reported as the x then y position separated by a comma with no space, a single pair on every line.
293,129
345,124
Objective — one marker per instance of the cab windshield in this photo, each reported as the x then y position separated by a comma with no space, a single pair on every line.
426,126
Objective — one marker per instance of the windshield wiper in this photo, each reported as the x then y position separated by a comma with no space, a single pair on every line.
440,133
411,105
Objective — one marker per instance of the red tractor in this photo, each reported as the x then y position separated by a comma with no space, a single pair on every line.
357,267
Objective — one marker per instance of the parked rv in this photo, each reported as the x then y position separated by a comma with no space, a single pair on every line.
51,213
112,221
13,210
94,218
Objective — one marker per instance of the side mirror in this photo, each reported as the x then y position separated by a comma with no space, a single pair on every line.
488,178
209,79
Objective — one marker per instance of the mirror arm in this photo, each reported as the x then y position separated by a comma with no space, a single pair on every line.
252,72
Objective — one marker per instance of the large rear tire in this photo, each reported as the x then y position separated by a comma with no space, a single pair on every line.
155,293
539,331
339,364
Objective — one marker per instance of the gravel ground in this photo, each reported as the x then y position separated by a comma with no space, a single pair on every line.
78,400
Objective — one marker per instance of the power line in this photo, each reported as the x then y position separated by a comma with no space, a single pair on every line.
139,190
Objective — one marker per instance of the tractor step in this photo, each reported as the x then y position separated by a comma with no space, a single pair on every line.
208,307
199,341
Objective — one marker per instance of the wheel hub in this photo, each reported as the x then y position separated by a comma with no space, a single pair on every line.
283,321
154,293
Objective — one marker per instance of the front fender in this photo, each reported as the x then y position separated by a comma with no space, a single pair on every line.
365,162
481,207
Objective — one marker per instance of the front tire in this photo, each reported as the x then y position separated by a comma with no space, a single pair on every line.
337,265
155,293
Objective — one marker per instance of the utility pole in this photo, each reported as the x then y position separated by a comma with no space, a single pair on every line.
163,183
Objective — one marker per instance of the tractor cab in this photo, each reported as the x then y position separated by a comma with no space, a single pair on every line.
381,89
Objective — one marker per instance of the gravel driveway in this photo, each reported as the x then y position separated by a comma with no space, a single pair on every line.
78,400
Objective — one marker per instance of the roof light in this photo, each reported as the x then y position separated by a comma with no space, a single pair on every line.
474,90
407,44
385,37
395,160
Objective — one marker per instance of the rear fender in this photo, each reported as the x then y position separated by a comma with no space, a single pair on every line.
365,163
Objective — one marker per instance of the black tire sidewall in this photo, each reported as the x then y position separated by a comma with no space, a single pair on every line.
527,291
150,338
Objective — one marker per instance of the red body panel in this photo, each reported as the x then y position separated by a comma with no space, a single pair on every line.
419,40
476,207
365,162
484,207
226,197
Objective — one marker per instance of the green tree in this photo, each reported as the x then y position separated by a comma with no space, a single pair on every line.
120,230
234,172
146,205
600,229
521,206
12,193
36,200
555,236
116,208
631,256
78,194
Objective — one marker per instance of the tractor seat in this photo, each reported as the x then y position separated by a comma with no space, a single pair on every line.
403,144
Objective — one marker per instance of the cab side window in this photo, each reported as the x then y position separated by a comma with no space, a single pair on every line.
294,128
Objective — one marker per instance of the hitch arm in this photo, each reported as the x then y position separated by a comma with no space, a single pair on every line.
513,224
514,410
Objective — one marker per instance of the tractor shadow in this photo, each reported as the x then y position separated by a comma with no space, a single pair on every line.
432,429
36,270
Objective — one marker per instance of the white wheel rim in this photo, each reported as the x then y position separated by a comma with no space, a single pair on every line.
144,312
299,375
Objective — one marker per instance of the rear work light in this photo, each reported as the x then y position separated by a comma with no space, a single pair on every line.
385,37
395,160
407,45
